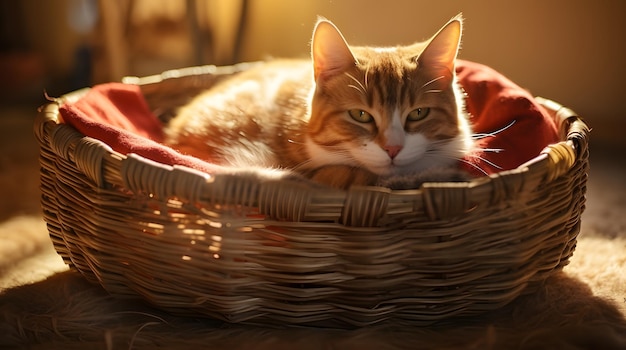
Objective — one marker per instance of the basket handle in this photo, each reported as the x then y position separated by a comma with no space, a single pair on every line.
563,155
569,124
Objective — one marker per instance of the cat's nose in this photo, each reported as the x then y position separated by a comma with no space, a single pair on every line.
393,150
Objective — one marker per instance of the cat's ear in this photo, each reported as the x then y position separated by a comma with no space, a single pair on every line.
442,49
329,50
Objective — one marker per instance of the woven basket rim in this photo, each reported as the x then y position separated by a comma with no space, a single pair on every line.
554,161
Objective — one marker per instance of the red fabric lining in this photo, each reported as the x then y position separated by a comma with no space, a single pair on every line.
118,115
495,102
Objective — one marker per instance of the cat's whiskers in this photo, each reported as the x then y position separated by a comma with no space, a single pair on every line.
493,133
361,88
356,88
480,136
437,150
440,151
489,162
494,150
463,160
473,165
431,82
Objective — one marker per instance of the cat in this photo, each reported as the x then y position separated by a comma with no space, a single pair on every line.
348,116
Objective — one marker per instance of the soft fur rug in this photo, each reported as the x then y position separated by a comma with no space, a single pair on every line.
43,305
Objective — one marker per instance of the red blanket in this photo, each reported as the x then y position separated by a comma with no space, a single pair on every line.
118,115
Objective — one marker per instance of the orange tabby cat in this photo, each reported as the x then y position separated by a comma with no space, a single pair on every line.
350,116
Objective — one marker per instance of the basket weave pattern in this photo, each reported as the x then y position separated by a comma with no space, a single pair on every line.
239,249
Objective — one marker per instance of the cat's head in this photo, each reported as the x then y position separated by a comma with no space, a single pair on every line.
392,110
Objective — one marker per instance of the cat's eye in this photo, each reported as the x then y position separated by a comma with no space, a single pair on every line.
418,114
360,116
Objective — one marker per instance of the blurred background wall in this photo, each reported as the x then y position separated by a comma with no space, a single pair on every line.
572,51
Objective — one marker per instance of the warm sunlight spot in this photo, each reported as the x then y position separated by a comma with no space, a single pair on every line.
215,247
186,257
155,225
153,228
215,224
191,231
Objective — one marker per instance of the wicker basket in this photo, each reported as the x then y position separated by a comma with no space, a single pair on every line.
286,253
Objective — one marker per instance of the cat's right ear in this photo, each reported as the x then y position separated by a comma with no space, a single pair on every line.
329,50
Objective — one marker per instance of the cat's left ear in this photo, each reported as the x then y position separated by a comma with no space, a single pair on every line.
329,50
442,49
